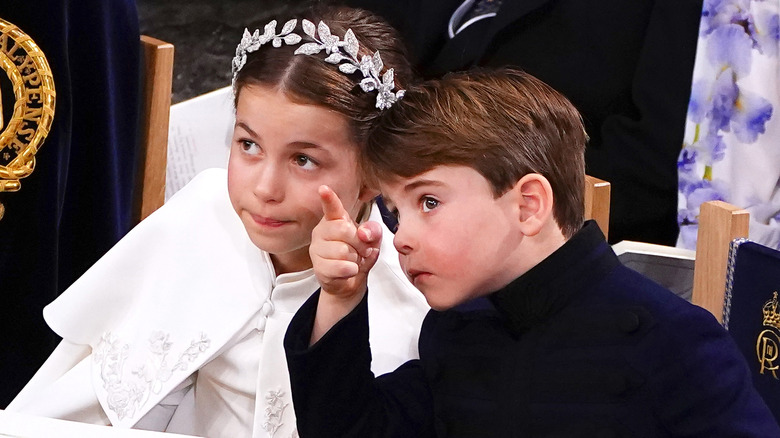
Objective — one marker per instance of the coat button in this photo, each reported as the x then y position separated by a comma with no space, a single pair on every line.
268,308
628,322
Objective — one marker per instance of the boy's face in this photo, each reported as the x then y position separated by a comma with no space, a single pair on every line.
281,152
456,241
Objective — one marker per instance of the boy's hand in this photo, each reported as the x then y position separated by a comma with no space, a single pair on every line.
342,253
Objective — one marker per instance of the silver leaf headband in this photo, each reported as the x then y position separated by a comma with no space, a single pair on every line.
347,61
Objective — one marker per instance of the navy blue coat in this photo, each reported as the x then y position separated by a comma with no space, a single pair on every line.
579,346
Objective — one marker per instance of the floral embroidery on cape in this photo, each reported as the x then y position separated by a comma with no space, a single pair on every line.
274,411
127,393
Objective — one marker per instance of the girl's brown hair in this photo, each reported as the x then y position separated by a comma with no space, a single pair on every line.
502,123
309,79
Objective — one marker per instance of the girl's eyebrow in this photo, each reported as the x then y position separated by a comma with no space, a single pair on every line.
246,128
297,144
306,145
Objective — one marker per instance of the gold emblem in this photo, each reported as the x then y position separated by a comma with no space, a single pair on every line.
33,107
768,340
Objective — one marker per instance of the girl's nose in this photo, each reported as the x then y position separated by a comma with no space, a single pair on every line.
269,183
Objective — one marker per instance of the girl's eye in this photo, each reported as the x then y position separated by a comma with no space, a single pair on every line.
249,147
428,203
305,162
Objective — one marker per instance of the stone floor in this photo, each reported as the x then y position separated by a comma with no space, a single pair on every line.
205,34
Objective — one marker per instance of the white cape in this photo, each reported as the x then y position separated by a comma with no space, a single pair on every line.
174,293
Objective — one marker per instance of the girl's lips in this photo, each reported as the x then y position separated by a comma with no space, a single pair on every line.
268,222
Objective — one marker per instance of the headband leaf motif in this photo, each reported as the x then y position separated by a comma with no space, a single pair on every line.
348,63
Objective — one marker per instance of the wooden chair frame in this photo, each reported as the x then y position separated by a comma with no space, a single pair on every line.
719,224
155,114
597,198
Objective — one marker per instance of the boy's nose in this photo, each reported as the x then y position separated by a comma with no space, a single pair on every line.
402,240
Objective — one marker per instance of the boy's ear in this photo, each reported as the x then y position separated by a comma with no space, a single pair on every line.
535,203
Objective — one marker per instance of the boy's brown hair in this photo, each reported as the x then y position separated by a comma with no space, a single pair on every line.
503,123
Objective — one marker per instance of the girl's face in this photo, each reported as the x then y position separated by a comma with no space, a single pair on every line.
281,152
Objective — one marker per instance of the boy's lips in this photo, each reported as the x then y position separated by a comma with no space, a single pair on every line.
415,275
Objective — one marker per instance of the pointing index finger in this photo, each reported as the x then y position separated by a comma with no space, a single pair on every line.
331,204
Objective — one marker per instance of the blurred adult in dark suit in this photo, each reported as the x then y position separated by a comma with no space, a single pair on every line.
626,65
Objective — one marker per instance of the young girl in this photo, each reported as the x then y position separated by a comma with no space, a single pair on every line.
180,326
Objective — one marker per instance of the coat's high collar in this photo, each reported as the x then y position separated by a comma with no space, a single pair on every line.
547,287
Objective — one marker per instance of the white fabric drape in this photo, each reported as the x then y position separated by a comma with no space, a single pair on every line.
186,290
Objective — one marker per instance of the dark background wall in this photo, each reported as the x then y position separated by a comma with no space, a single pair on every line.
205,34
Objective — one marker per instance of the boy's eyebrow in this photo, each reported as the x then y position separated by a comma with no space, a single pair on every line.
412,186
421,182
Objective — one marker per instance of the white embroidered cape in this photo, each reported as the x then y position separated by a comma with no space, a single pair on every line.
172,294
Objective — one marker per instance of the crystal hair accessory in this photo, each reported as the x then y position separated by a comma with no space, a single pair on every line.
347,61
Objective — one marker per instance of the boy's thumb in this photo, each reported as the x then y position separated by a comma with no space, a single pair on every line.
370,232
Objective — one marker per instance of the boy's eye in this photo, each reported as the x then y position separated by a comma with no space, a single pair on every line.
429,203
249,146
305,162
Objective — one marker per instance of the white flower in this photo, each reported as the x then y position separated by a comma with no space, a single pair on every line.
158,343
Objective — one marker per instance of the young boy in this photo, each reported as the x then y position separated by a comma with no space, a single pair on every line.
537,329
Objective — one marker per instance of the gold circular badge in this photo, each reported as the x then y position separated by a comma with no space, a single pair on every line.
24,127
